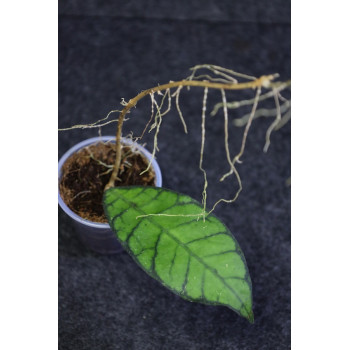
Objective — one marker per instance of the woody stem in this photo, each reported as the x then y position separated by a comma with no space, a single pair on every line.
262,81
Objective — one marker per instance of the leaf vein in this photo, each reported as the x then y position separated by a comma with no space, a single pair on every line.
205,237
132,233
155,253
183,289
172,262
220,253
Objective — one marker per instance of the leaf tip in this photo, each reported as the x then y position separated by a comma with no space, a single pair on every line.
247,313
250,317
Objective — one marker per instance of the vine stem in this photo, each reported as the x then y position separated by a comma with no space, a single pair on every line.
263,81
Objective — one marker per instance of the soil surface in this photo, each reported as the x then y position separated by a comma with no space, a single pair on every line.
86,173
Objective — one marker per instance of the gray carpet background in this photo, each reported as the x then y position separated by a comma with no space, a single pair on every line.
112,51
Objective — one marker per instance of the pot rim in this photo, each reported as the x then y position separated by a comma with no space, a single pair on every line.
90,141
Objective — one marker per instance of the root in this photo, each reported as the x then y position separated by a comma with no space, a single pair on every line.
177,95
98,161
238,104
262,112
236,159
226,131
150,119
284,120
221,71
204,192
207,77
79,194
156,125
97,124
199,215
275,122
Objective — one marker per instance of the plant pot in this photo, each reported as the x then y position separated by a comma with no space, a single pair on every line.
99,236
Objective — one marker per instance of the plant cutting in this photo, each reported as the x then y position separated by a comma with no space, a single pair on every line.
174,238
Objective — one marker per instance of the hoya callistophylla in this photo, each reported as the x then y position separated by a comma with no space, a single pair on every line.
199,260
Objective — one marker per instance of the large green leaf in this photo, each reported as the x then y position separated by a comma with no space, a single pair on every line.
198,260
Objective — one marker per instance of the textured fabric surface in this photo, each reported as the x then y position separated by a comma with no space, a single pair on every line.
107,302
265,11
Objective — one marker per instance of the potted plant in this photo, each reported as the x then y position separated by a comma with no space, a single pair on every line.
83,204
175,239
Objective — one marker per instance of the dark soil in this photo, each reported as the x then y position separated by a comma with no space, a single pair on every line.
85,175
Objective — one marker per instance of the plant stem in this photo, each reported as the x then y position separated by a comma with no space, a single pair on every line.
263,81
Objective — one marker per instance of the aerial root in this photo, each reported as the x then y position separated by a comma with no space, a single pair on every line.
238,104
150,119
274,123
230,76
214,77
232,162
227,149
97,124
262,112
284,120
177,95
199,215
204,192
156,125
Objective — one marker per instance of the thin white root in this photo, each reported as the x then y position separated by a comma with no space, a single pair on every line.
238,104
97,124
274,124
284,120
79,194
233,169
199,215
204,193
177,95
216,69
262,112
98,161
156,125
236,195
246,130
245,135
210,78
150,119
227,149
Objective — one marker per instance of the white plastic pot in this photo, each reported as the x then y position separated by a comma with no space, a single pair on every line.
99,236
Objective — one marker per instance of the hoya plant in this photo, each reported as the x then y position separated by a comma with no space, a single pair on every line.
171,236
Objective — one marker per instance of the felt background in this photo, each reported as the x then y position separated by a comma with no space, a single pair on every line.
108,52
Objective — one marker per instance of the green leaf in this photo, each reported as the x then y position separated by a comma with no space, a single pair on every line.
198,260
